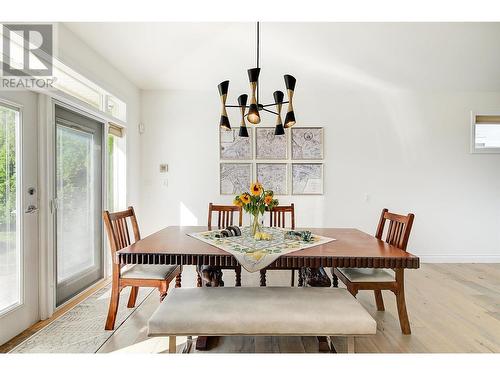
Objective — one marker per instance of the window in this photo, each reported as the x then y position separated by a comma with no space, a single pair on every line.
486,134
116,165
76,85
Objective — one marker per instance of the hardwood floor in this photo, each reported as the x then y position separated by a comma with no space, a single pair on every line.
452,308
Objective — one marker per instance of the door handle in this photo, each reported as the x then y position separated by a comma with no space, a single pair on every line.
31,209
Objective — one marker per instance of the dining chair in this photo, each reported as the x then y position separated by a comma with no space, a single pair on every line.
156,276
277,218
378,279
225,218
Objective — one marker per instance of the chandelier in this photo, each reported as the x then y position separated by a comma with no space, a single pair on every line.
255,107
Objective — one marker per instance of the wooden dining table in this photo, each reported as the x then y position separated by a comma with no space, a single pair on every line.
351,248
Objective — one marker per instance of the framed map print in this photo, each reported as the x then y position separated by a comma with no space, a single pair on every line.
235,178
307,143
273,176
270,146
307,178
234,147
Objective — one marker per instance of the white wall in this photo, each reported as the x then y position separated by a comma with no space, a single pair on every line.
408,151
79,56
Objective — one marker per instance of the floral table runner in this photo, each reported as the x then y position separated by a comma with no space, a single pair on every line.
254,255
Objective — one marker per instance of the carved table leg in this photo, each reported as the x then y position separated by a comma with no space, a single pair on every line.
335,281
238,276
178,280
208,276
262,277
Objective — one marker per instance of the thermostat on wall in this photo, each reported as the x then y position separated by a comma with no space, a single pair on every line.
163,168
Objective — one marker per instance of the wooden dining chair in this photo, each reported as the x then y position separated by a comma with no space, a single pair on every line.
277,218
212,275
378,279
157,276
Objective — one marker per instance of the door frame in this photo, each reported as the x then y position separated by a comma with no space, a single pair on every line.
47,240
27,309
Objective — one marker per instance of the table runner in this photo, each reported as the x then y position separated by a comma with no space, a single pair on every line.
255,255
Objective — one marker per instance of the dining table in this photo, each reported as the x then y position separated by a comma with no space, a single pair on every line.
351,248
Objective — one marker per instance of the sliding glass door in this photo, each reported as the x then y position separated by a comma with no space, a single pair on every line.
78,202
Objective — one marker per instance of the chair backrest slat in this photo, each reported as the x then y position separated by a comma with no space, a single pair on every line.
117,228
277,216
225,215
399,229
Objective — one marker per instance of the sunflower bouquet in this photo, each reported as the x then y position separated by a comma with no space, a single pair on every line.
255,203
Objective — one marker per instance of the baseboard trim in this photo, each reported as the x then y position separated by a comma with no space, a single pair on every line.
459,258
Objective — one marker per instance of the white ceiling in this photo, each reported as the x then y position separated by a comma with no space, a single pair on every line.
197,56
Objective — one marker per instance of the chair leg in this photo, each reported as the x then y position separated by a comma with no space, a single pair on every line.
404,322
133,296
379,300
163,288
237,272
113,306
292,279
335,279
178,280
300,281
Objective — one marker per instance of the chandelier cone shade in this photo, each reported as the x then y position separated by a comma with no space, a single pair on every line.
224,120
253,111
242,102
290,114
278,99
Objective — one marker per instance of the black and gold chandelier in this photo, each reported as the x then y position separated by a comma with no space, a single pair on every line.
255,107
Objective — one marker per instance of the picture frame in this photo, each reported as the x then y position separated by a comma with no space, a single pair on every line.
233,147
235,178
307,143
274,176
269,146
307,178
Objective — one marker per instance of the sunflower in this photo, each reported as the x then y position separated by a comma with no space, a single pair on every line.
256,188
245,198
237,202
268,199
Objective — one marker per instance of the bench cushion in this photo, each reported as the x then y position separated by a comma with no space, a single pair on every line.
267,311
368,275
147,271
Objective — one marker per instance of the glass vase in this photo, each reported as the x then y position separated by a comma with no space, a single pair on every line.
255,223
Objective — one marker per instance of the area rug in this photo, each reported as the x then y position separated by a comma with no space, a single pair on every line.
81,329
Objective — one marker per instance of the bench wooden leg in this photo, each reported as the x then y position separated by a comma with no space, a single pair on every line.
172,345
350,344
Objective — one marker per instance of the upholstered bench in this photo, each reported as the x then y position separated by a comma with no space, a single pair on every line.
270,311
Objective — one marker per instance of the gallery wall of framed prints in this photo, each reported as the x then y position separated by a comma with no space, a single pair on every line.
291,164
